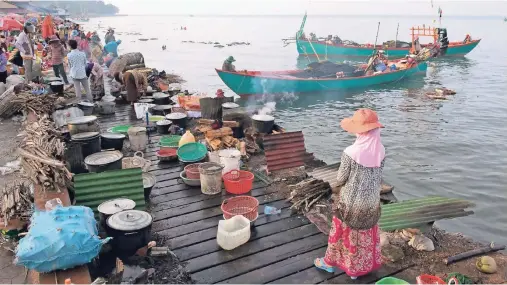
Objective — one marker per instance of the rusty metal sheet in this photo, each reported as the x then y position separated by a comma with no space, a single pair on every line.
285,150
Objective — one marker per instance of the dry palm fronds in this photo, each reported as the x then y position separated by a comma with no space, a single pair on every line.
41,152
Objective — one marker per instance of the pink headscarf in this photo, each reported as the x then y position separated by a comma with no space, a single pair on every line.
367,150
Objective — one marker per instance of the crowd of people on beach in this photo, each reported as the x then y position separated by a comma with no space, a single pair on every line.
73,54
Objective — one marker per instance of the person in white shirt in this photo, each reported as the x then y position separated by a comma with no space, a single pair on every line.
77,64
25,46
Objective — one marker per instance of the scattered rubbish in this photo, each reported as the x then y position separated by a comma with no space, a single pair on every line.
421,243
486,264
11,167
269,210
159,251
73,229
233,232
384,239
455,258
99,281
392,253
53,203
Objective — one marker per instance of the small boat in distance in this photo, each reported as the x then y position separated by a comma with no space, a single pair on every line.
245,83
334,46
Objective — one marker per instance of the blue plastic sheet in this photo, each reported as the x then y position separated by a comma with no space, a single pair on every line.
62,238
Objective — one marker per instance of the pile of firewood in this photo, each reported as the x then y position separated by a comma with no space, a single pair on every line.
218,138
42,150
17,200
308,193
39,104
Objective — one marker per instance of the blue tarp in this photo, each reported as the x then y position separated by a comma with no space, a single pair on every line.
62,238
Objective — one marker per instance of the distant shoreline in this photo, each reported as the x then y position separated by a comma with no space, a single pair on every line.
315,15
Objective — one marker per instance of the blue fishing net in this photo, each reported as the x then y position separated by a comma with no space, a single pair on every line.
62,238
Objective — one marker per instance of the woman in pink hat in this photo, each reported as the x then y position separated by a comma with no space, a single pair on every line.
354,239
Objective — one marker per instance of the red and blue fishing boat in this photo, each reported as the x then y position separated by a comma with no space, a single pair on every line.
246,83
315,47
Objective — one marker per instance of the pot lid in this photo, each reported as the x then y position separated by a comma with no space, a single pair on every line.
163,123
113,136
82,120
87,104
229,105
103,158
160,95
264,118
56,83
175,116
54,78
162,107
136,130
145,101
148,180
84,136
130,220
116,205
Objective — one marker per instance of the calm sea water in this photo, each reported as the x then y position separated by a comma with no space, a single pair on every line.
454,148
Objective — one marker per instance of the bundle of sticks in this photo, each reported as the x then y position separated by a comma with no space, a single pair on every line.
17,201
39,104
41,150
308,193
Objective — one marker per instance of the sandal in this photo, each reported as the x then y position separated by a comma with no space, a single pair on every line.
321,264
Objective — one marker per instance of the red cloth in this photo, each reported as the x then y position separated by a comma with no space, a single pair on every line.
356,252
47,27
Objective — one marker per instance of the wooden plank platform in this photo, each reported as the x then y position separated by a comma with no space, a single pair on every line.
281,249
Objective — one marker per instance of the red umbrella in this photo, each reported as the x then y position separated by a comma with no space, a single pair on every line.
47,27
7,24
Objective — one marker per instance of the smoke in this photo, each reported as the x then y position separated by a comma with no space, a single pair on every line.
268,108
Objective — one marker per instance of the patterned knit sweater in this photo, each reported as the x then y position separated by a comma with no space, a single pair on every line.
359,198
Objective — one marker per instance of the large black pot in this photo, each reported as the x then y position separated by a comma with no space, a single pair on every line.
89,141
263,123
160,98
161,110
108,208
112,141
179,119
163,126
56,87
104,161
131,230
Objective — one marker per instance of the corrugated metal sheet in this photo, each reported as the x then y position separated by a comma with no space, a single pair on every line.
94,188
418,212
285,150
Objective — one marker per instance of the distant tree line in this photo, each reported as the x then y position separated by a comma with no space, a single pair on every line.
96,7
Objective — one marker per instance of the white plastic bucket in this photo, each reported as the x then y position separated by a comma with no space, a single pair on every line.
138,138
230,159
233,232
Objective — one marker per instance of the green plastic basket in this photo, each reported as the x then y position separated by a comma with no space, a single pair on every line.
170,141
192,152
122,129
391,280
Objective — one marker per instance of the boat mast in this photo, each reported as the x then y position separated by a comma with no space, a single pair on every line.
396,39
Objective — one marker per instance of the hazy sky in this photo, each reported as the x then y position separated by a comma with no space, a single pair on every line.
314,7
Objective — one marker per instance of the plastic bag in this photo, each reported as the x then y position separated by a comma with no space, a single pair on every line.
141,109
60,239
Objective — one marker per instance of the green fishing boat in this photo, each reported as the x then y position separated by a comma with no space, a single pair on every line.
246,83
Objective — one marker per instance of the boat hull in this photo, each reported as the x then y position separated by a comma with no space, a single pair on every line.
305,48
254,83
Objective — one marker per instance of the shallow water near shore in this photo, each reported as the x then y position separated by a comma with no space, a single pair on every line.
454,148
